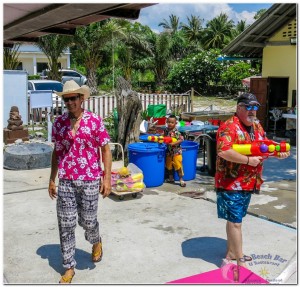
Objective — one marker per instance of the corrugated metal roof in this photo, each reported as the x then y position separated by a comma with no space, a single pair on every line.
251,42
27,22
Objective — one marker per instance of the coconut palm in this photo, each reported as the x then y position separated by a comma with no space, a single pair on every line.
171,25
133,49
10,57
160,61
259,13
240,27
53,46
193,32
91,41
193,29
218,32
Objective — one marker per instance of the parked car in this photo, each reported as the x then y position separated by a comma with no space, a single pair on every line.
47,85
67,75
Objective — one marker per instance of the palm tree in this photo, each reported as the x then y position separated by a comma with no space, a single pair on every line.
91,41
10,57
259,13
133,49
172,24
218,32
160,61
193,29
193,32
53,46
240,27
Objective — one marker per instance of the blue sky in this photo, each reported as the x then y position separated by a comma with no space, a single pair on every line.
155,14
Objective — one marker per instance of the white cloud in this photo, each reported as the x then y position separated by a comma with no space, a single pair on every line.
245,16
155,14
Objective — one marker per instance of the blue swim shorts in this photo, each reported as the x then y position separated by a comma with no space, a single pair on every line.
233,206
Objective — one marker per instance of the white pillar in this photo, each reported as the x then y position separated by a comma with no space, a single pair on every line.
34,65
68,61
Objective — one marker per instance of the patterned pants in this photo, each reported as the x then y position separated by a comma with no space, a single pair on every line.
76,197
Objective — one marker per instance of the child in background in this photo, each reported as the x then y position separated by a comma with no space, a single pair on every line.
174,151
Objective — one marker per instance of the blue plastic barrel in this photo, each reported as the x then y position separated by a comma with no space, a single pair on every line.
189,160
150,158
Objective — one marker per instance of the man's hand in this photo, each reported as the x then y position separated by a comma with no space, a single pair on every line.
283,155
255,160
52,189
105,187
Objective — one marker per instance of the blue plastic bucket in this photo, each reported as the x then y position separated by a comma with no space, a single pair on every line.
189,160
150,158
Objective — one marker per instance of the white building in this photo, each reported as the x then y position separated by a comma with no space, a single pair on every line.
34,61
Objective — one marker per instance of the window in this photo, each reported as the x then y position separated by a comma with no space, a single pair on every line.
30,86
70,74
41,67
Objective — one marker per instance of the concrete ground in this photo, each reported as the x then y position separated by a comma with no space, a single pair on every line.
164,234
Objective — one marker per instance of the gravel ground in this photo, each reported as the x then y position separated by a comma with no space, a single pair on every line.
202,103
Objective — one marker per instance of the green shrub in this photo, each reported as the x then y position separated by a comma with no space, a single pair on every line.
34,77
197,71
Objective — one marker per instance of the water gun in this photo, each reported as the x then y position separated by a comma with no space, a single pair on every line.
262,148
137,186
131,179
162,139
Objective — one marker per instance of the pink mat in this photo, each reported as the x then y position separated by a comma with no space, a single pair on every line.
223,275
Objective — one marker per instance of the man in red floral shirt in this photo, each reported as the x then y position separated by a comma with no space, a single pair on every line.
238,176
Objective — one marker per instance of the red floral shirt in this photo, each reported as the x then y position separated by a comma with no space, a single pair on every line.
176,149
79,156
231,175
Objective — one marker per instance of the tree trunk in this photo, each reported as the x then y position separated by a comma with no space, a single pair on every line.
129,109
92,81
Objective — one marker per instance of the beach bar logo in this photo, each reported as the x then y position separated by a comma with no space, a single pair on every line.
266,262
266,259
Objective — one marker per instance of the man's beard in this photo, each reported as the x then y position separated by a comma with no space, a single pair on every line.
251,119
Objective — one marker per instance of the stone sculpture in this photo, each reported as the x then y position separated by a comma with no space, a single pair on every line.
15,129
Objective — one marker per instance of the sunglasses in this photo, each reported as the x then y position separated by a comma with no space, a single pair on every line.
72,99
250,107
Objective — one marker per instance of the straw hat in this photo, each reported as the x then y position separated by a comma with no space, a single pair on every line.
71,87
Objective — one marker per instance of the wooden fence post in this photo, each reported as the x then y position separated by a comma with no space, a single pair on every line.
191,100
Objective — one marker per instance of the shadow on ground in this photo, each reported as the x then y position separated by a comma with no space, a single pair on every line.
210,249
53,254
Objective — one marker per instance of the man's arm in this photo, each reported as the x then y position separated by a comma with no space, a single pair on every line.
233,156
105,188
54,169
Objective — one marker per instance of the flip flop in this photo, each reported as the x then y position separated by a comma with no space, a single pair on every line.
182,184
66,279
246,257
169,181
99,253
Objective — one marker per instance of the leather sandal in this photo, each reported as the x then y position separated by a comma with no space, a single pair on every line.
66,279
97,254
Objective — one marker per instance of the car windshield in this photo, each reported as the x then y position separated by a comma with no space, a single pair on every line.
58,87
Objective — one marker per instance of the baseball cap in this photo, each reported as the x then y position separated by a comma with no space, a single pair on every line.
248,99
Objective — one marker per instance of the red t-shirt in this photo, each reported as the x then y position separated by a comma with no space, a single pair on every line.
231,175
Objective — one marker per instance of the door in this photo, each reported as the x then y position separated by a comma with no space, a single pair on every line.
259,87
278,98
